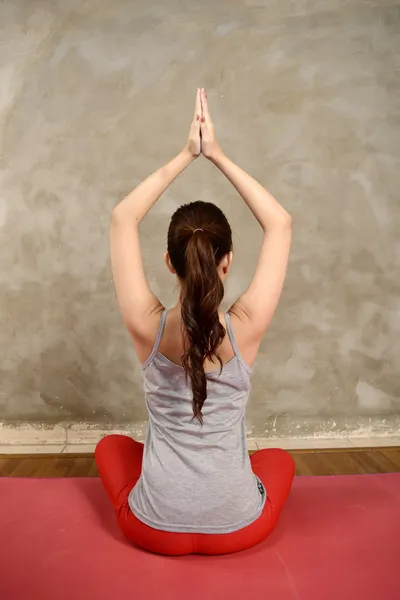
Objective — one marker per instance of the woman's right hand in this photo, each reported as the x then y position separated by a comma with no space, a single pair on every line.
209,145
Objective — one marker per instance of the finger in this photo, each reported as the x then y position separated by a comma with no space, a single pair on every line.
195,128
204,105
196,124
204,127
197,106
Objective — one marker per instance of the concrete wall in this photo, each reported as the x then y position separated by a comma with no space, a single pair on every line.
95,95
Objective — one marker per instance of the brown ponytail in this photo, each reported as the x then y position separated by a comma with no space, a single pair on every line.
199,237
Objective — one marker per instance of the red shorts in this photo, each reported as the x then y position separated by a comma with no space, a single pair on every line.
119,461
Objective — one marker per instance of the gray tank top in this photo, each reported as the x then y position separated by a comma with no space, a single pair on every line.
196,478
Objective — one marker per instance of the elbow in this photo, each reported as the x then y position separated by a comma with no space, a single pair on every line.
284,222
124,213
121,220
282,225
115,221
119,215
287,220
115,214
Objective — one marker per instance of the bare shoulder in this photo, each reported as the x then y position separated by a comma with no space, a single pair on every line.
144,337
247,336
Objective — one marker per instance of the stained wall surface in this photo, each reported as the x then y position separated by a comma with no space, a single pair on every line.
95,95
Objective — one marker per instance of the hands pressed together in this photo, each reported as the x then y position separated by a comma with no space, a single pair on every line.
202,138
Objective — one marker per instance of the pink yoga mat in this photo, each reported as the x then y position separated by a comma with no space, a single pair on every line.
338,539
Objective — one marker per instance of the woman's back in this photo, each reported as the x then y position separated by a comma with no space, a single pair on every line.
196,477
196,474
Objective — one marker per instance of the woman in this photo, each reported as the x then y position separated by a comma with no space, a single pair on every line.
192,487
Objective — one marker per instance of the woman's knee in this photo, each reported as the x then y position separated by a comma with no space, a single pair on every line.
285,459
105,443
275,468
274,456
112,443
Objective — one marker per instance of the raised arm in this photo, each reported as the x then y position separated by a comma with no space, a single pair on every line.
139,306
255,308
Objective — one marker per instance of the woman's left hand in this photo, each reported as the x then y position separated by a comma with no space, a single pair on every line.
194,141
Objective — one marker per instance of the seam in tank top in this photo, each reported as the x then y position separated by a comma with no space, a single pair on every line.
196,480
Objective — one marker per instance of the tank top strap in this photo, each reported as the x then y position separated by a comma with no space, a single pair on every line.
158,340
233,342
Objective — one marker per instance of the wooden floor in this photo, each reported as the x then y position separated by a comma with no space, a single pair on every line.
308,462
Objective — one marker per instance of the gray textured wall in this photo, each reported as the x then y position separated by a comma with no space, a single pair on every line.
94,95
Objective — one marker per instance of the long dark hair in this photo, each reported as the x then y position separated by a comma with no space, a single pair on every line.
199,237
